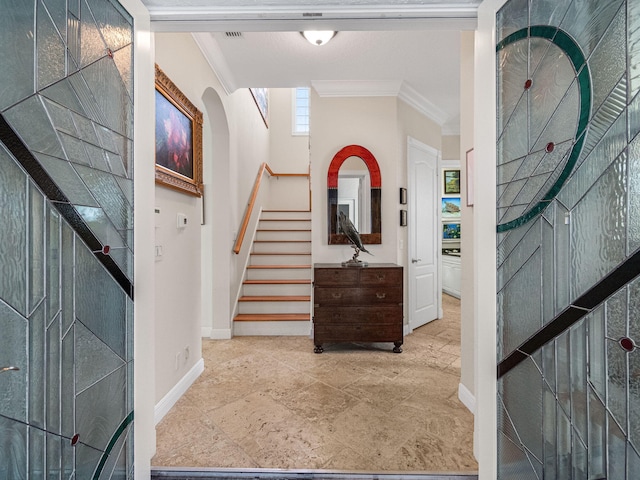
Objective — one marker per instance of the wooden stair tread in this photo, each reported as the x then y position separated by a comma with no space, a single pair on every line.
278,266
272,317
282,241
278,282
285,219
289,211
280,253
283,230
275,298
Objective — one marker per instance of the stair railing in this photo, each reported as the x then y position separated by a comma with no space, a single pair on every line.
252,200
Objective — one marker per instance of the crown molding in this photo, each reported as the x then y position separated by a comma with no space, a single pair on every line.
412,98
212,53
356,88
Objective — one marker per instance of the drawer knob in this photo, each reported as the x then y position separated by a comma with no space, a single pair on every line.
381,295
336,295
381,276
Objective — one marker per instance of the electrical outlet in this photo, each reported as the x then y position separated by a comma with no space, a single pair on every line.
186,353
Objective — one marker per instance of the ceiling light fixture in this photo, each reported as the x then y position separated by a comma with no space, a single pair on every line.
318,37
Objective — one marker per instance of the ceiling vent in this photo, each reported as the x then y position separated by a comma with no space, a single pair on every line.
233,34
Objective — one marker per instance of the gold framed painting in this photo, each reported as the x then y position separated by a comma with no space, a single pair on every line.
178,152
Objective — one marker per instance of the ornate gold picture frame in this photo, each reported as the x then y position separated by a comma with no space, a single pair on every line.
178,153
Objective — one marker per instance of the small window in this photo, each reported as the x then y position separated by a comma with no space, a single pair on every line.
301,111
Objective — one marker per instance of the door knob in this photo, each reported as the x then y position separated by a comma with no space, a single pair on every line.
416,260
8,369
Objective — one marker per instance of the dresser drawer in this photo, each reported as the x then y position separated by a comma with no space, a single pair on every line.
335,276
357,333
357,296
381,276
386,314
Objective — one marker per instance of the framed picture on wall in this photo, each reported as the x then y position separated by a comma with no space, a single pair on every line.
178,154
261,97
451,182
451,207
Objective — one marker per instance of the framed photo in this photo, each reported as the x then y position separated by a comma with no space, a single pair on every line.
403,196
451,231
178,138
451,182
261,97
471,164
451,207
403,218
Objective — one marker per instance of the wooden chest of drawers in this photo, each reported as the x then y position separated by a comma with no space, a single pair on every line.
357,304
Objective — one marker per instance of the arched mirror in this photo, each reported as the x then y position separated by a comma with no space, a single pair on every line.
353,187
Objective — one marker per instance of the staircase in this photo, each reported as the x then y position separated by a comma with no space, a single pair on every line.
276,292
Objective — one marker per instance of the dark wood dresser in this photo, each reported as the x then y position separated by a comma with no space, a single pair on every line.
357,304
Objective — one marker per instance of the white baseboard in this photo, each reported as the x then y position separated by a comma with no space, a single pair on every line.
170,399
220,333
205,332
467,398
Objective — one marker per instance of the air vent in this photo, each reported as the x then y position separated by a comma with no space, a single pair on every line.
312,14
233,34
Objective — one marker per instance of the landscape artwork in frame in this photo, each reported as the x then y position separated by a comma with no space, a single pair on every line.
452,182
261,97
178,153
451,231
451,207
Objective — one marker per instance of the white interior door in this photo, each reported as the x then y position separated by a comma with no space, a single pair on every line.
423,233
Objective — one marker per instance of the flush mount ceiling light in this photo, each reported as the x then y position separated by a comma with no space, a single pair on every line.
318,37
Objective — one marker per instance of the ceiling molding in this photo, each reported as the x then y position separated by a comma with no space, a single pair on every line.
212,53
412,98
353,88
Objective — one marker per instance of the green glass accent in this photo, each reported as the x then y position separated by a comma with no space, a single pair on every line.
119,431
563,41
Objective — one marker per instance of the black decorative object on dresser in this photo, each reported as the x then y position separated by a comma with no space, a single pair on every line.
357,304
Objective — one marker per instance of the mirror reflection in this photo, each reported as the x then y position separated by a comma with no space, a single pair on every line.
354,193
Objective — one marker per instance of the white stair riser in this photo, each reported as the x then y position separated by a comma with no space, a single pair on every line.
259,290
282,247
279,273
284,225
303,215
280,260
274,307
283,235
295,328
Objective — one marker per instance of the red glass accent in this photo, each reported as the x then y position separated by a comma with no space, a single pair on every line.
527,84
106,249
110,53
627,344
550,147
75,439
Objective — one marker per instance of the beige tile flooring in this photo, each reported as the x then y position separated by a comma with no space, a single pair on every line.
270,402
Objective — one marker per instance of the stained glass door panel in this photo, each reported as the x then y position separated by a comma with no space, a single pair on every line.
66,246
567,233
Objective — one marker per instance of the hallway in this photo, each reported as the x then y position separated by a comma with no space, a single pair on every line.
270,402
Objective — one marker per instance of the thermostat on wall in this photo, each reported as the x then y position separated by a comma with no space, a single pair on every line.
182,220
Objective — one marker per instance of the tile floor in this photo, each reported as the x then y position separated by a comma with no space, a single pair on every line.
270,402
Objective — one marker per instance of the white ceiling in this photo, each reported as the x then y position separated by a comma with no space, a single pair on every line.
410,48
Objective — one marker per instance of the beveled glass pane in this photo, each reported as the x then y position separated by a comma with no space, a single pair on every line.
67,383
115,466
634,195
97,157
550,435
597,351
511,192
36,455
115,164
597,436
100,302
533,190
68,460
523,396
514,141
57,9
101,226
609,59
617,380
106,190
600,158
13,352
74,149
114,28
616,311
37,367
16,34
30,120
548,271
587,21
86,130
106,138
511,81
129,332
36,268
54,457
87,459
616,451
67,180
562,257
13,235
86,98
548,12
579,460
67,276
563,375
634,399
94,360
104,81
13,438
51,50
101,408
63,93
554,161
513,16
519,256
92,45
564,447
633,44
61,117
578,371
124,258
73,40
53,360
598,225
563,125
